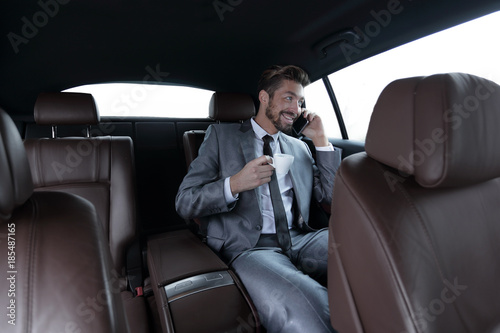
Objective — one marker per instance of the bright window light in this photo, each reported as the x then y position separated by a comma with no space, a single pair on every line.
467,48
148,100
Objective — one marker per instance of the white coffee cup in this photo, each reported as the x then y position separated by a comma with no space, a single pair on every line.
282,162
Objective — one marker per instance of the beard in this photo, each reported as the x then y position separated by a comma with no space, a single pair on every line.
280,126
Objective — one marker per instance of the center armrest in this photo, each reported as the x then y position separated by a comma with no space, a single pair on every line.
193,286
179,254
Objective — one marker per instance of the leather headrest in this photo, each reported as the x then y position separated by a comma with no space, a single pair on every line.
231,107
443,129
63,108
16,185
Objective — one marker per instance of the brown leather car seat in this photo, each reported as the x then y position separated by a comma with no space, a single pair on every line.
224,107
99,169
415,225
56,260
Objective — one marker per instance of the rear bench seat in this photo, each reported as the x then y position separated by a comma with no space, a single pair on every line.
55,266
99,169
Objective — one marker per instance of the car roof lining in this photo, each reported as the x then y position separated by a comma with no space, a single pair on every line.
96,42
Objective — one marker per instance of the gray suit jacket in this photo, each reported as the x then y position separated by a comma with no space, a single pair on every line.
226,149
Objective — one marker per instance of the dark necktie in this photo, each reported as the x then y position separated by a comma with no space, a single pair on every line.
280,219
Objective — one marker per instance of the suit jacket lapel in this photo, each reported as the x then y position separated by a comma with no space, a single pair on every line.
247,141
298,179
287,148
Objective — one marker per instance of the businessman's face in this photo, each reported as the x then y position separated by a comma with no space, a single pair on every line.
285,105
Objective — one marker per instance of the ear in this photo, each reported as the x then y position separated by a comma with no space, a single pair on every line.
263,97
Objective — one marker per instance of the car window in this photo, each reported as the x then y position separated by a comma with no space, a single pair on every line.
148,100
469,48
318,101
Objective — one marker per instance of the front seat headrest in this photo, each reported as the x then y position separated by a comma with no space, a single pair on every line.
442,129
16,185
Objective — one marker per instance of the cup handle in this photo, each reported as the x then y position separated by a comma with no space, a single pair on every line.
272,161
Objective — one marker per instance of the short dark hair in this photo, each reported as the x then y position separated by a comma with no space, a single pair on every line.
271,78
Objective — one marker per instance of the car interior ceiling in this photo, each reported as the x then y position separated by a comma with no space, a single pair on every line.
187,43
98,42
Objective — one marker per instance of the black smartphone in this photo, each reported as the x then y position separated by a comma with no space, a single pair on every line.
300,123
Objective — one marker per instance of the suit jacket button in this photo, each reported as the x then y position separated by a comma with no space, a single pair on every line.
259,227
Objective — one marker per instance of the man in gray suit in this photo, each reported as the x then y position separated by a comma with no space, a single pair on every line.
259,221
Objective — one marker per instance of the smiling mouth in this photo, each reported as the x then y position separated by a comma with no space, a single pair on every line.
288,117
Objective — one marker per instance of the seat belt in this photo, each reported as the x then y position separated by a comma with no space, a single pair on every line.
134,268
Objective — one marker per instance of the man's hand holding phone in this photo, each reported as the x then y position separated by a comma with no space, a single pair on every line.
311,125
